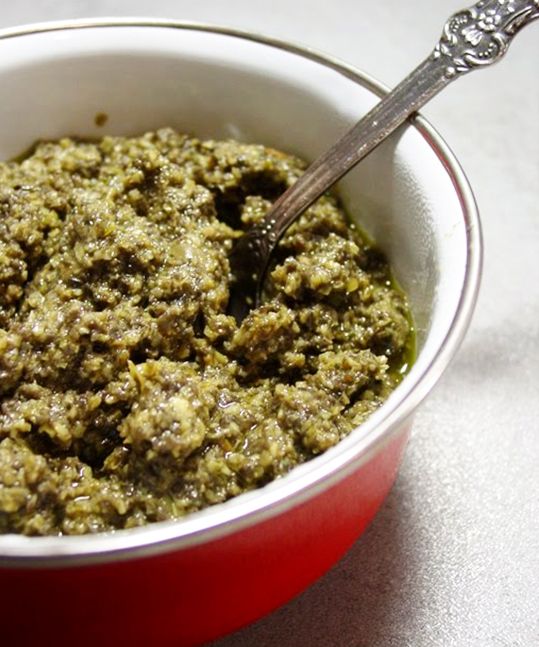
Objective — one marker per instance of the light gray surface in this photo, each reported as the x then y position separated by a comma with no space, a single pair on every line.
452,559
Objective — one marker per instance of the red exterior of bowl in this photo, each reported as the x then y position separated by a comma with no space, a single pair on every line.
193,595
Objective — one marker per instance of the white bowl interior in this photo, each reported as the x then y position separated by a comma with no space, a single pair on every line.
216,85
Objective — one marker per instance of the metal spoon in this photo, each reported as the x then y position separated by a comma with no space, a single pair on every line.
471,38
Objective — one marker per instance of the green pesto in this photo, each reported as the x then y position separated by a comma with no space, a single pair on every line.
127,393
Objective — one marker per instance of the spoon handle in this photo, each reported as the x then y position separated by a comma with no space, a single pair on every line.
471,38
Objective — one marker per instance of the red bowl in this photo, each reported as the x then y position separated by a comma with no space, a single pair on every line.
188,581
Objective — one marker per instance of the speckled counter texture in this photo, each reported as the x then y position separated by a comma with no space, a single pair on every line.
452,559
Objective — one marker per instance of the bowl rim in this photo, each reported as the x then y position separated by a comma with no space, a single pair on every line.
305,481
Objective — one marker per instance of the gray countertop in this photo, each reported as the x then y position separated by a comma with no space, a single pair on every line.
452,559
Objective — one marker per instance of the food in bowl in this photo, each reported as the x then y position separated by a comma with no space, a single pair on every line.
128,394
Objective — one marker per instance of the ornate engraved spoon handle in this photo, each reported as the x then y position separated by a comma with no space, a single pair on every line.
471,38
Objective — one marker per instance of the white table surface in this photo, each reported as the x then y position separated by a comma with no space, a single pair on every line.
452,559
